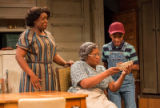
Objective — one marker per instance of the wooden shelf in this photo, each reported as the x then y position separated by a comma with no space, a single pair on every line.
12,30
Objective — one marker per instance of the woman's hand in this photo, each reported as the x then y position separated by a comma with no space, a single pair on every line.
69,63
35,82
113,70
20,55
59,60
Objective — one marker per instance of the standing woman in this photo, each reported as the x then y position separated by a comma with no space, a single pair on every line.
35,53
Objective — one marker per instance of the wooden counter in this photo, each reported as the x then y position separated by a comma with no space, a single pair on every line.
72,99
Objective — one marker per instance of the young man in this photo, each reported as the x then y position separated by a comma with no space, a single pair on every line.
119,51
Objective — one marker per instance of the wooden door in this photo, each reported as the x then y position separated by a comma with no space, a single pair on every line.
148,53
157,6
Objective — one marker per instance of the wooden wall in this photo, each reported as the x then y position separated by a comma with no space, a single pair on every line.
127,4
129,19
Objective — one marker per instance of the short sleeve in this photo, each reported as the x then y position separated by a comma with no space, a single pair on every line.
78,73
25,40
133,56
105,53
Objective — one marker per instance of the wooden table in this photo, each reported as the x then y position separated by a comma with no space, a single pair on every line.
72,99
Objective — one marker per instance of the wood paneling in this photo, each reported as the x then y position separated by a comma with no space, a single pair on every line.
68,8
70,25
73,33
15,8
149,102
129,19
127,4
157,2
148,47
17,3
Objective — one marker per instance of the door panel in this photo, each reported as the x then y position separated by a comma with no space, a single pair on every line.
157,3
149,72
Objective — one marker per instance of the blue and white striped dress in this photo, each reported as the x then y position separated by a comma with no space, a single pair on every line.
40,53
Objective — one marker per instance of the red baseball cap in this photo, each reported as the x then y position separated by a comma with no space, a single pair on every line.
116,27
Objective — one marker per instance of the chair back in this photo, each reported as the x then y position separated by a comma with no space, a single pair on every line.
58,102
63,78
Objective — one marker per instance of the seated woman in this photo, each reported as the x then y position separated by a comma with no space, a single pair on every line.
90,78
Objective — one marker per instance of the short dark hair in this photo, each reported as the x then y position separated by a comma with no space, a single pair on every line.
34,13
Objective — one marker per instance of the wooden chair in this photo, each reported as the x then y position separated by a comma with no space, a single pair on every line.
63,80
58,102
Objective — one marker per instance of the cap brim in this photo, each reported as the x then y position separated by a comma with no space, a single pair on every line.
116,32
